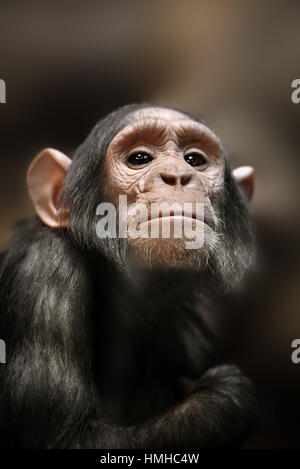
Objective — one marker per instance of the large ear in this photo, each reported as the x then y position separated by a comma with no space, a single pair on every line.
45,177
244,175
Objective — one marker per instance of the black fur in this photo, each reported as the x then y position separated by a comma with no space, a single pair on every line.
95,359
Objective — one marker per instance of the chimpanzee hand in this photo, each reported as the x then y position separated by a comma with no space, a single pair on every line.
218,414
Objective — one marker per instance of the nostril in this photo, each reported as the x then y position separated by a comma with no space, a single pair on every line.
169,179
184,180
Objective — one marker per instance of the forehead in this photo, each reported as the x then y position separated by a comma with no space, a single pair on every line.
158,113
158,125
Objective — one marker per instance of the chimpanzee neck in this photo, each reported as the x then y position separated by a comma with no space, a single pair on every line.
155,291
146,295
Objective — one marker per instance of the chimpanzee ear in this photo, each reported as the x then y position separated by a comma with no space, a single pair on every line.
45,177
244,175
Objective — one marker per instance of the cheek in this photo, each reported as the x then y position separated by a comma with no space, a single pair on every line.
119,180
213,178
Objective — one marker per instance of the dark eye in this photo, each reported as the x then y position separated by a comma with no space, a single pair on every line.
139,158
195,159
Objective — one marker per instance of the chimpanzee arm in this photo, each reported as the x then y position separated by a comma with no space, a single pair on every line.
219,414
46,385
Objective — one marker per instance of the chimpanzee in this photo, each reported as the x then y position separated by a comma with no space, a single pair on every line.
110,339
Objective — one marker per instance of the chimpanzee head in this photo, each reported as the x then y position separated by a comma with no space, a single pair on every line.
181,205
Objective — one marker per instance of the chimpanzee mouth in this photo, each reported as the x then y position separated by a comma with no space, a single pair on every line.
205,218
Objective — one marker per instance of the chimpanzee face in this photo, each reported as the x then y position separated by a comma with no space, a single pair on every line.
171,169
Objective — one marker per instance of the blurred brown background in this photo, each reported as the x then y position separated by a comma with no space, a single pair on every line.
66,64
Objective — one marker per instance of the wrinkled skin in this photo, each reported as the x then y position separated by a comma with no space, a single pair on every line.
167,136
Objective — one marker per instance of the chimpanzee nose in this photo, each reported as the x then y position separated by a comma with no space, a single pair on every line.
176,178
